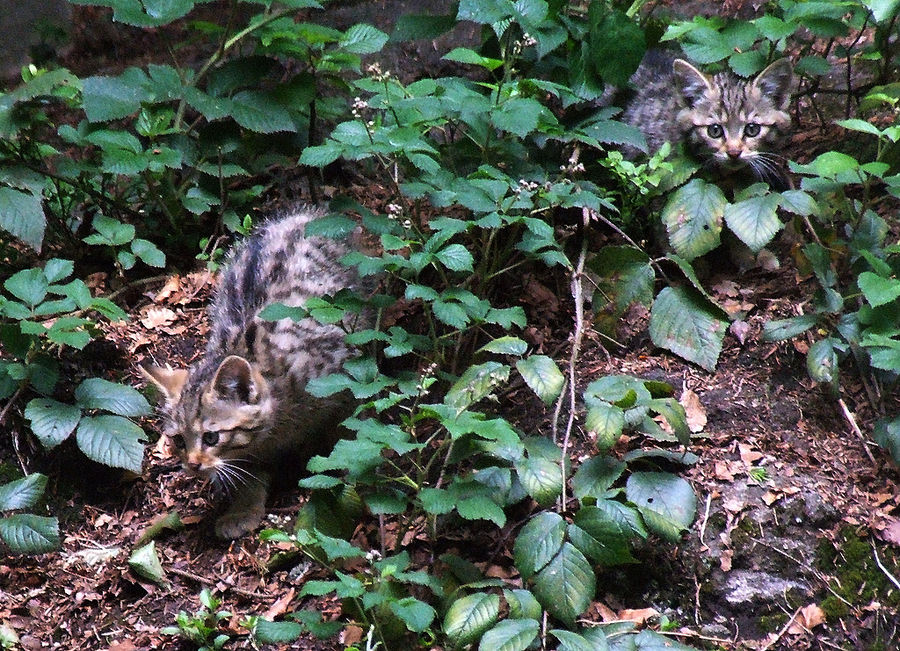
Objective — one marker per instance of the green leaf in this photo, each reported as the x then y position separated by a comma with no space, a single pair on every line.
596,476
883,10
683,322
504,346
518,115
606,421
878,290
468,55
468,618
266,632
799,203
887,435
52,422
420,26
111,440
542,478
538,542
754,220
148,252
475,383
788,328
24,533
97,393
256,111
29,285
626,274
455,257
363,39
22,493
822,361
417,615
145,562
602,539
452,314
693,218
510,635
522,604
481,508
22,216
570,641
543,376
666,502
566,585
111,98
56,269
617,46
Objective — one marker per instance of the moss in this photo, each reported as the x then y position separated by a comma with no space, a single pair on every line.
858,579
773,622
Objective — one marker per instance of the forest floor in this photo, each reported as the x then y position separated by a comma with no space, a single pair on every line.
789,493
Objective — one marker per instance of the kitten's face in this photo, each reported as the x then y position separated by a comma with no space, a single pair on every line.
733,122
215,421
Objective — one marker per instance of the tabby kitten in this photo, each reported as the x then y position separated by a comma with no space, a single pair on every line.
234,416
723,120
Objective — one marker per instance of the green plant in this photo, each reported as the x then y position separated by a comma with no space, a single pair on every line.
24,533
202,627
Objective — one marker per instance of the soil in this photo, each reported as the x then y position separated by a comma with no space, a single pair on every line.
794,505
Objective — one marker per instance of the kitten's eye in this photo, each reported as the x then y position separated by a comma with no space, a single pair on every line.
752,130
178,442
210,438
715,131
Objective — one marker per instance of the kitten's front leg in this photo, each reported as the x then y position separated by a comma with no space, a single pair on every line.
247,510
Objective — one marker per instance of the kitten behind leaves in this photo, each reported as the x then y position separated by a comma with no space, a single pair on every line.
725,122
236,415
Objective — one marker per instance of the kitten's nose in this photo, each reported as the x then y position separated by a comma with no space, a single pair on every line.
193,466
733,153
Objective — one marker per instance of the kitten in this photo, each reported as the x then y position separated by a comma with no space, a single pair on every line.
723,120
235,415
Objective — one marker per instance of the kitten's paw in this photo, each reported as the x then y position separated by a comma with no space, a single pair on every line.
235,525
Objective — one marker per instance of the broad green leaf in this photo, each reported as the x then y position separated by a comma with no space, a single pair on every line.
52,422
674,413
566,585
484,11
22,216
882,10
606,421
799,203
419,26
596,476
667,502
111,440
683,322
121,399
22,493
542,478
648,640
538,542
504,346
542,374
570,641
111,98
617,45
29,285
417,615
450,313
822,361
363,39
518,115
148,252
468,618
475,383
266,632
258,112
788,328
754,220
24,533
856,124
481,508
145,562
455,257
887,435
830,165
468,55
522,604
878,290
510,635
693,218
56,269
627,273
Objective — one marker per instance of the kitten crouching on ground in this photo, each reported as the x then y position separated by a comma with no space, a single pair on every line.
235,416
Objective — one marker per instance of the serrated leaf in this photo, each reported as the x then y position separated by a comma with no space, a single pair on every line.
754,220
666,502
693,218
52,422
110,98
455,257
22,493
468,618
468,55
29,285
519,115
256,111
822,361
788,328
799,203
543,376
570,641
617,46
148,252
522,604
542,478
450,313
22,216
606,421
145,562
111,440
266,632
415,614
682,322
505,346
481,508
510,635
121,399
25,533
878,290
596,476
566,585
475,383
538,542
363,39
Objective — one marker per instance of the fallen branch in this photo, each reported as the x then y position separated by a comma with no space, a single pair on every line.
852,420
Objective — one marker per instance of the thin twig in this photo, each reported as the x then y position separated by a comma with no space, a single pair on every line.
783,630
887,573
14,434
852,420
202,580
705,518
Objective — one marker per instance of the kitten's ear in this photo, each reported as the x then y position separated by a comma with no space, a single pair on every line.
169,381
694,84
236,381
775,82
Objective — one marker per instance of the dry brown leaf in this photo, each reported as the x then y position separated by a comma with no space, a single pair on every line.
740,330
351,635
725,560
723,472
748,454
770,497
155,316
727,288
807,619
889,531
694,410
734,504
606,613
173,284
124,645
280,606
638,616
